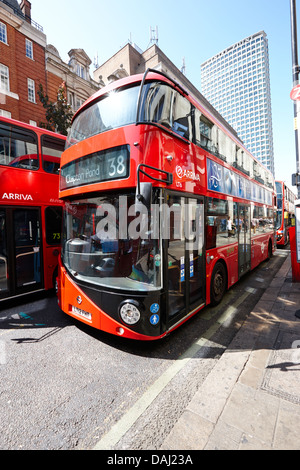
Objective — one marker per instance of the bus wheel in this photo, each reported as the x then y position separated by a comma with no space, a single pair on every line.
270,250
54,281
218,283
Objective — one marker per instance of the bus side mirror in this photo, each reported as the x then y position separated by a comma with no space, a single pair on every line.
144,190
144,195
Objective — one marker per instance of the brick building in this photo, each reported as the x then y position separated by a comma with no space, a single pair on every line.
27,61
22,62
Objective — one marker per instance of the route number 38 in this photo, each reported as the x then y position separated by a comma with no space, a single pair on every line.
117,166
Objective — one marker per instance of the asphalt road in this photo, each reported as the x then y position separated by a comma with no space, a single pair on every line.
65,386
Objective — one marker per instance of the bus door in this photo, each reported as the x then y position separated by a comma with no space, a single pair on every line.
27,249
185,270
3,254
244,237
20,251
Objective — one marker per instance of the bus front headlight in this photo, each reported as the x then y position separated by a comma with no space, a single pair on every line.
129,312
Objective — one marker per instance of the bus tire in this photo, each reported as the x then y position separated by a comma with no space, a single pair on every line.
54,276
218,284
270,250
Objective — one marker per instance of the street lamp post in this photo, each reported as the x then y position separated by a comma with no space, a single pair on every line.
295,177
295,95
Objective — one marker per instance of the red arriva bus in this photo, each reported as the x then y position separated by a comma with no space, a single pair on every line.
30,209
285,216
164,209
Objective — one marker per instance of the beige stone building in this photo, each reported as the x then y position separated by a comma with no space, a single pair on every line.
130,60
75,74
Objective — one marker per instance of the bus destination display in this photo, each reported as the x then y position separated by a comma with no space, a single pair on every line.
101,166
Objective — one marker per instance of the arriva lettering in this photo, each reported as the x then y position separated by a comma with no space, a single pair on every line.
17,197
187,174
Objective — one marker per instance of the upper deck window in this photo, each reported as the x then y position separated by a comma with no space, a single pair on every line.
204,131
115,109
18,147
160,104
278,187
52,149
163,105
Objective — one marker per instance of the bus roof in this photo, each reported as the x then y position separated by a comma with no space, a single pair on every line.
31,127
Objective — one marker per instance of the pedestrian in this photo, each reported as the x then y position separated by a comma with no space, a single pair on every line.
229,226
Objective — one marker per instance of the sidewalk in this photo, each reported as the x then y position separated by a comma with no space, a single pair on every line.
251,399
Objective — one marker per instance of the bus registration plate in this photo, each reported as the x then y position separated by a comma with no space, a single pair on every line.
81,313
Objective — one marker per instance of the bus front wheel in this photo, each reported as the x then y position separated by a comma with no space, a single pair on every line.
218,283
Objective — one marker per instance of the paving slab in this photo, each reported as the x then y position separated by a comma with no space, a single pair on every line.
251,398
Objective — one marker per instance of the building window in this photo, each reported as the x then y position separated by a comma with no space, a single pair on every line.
71,99
31,90
79,102
4,78
4,113
3,33
80,71
29,49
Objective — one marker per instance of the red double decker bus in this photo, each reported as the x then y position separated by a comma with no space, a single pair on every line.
164,209
285,216
30,209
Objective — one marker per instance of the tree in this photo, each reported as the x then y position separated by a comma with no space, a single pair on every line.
58,114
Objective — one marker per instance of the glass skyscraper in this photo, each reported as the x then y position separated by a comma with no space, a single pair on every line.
237,83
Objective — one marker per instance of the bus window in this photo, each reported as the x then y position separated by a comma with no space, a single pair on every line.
3,253
157,104
165,106
221,224
181,122
206,132
113,110
97,250
176,256
51,152
18,148
262,219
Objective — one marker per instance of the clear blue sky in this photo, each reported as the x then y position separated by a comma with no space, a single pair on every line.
193,29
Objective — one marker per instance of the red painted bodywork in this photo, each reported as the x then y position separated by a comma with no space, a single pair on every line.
152,146
33,189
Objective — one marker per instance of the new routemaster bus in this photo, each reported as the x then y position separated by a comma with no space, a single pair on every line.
164,209
285,216
30,209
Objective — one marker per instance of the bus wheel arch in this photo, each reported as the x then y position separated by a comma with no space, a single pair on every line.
218,283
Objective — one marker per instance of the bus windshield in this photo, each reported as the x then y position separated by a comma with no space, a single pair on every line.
115,109
102,244
160,105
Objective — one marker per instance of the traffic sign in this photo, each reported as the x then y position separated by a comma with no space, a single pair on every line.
295,93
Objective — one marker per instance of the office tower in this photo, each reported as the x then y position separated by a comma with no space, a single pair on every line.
237,83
